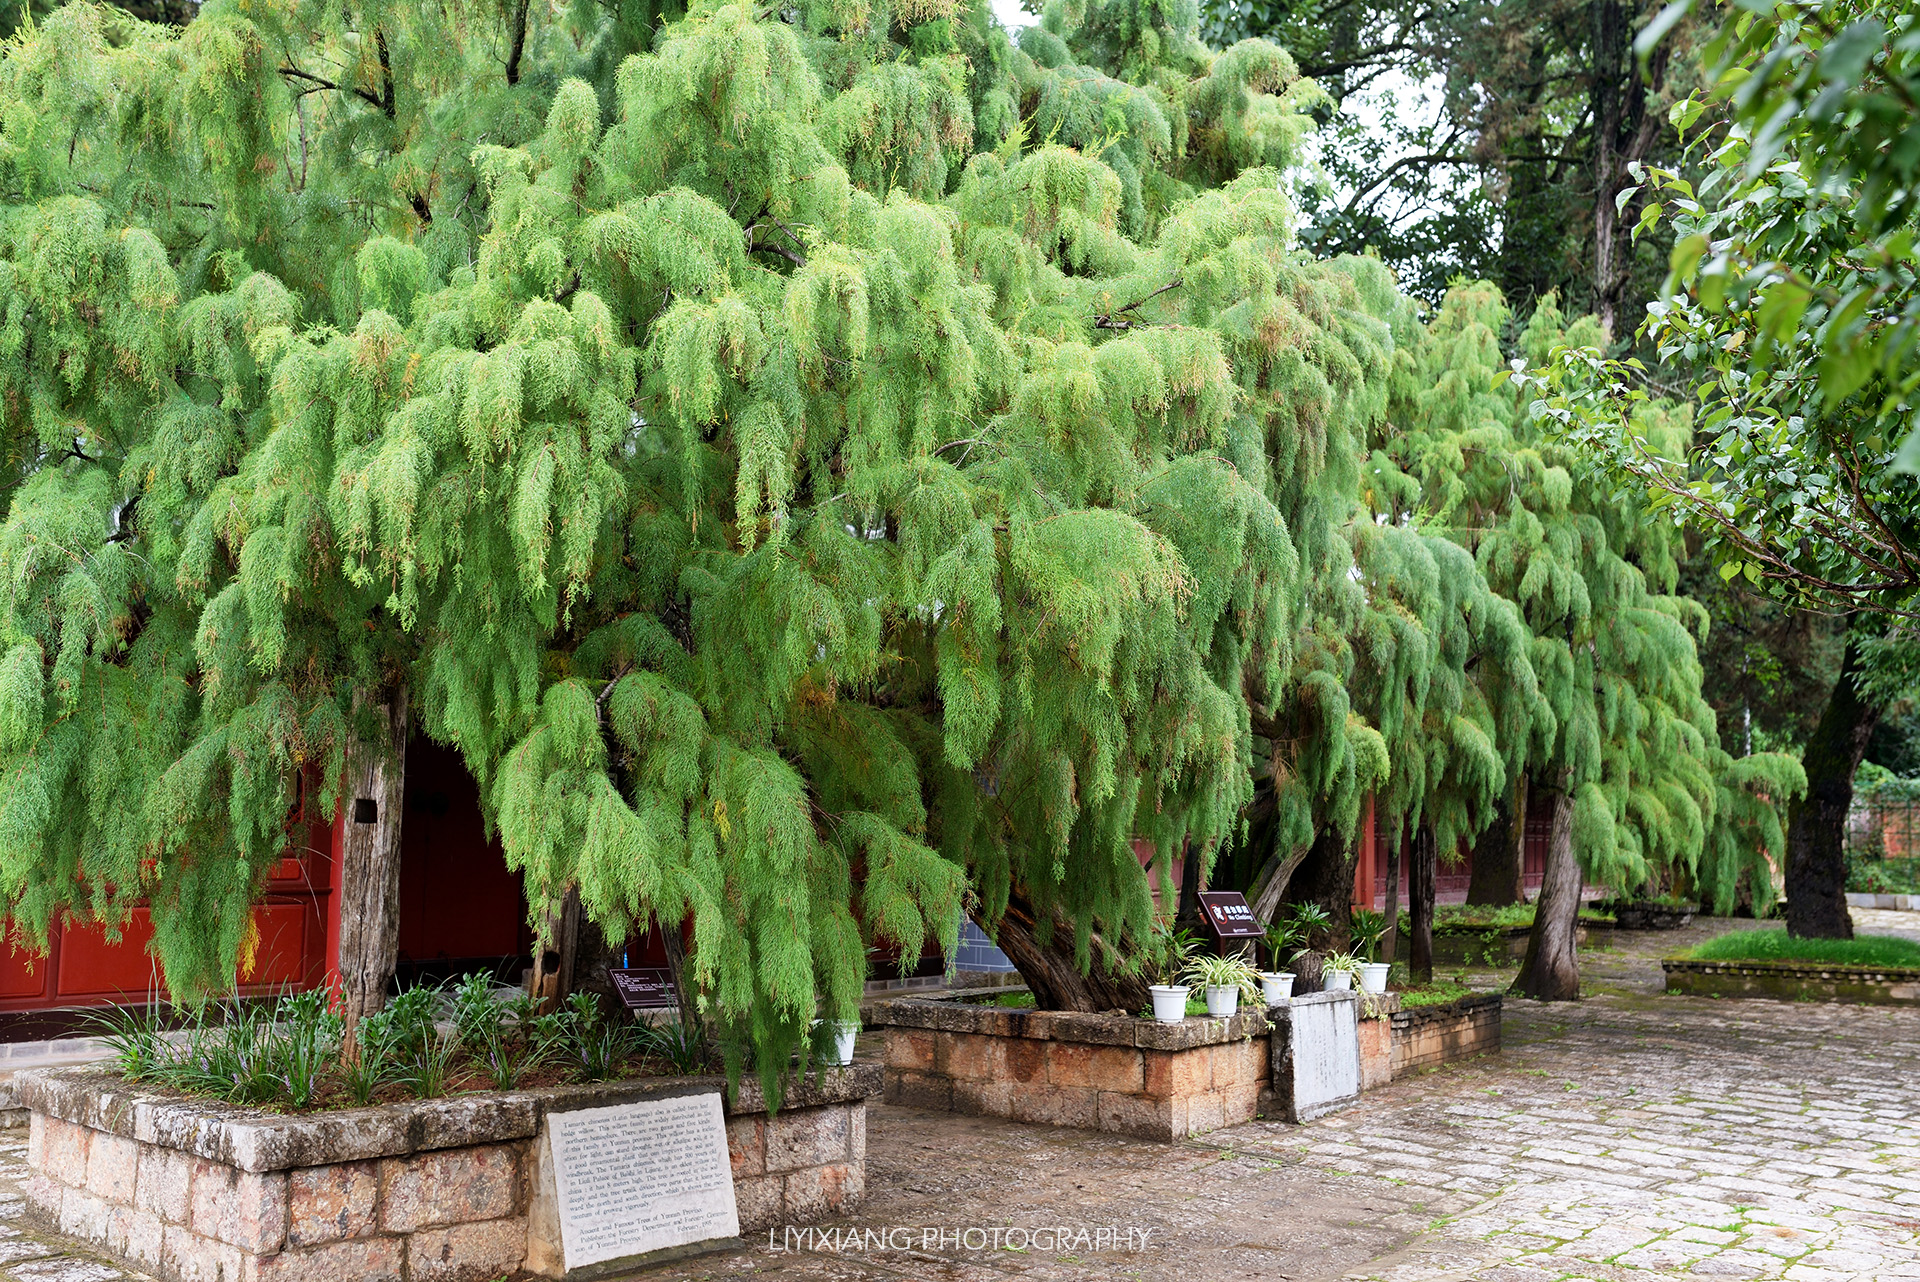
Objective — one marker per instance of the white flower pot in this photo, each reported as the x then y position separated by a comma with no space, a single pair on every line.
1222,1002
1276,986
1373,977
1169,1002
844,1033
1337,981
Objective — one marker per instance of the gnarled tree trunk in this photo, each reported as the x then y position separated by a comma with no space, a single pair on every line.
1499,855
1049,968
1550,972
369,872
1816,823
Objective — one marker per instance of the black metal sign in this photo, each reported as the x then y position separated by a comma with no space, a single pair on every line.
645,988
1228,914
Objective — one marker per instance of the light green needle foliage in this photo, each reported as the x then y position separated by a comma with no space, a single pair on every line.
1584,665
810,463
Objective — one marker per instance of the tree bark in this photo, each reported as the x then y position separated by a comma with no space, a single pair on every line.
1190,888
1050,971
1550,972
1499,856
1420,896
556,951
1816,823
1270,884
1325,878
369,873
1390,938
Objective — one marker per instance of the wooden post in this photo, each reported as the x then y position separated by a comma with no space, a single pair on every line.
555,951
369,870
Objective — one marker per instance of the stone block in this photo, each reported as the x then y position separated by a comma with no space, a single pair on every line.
329,1203
1143,1115
800,1138
983,1099
1239,1103
1115,1068
63,1151
1026,1060
971,1057
188,1257
467,1252
135,1236
1057,1106
238,1207
1239,1063
758,1202
375,1259
815,1193
914,1050
83,1215
857,1132
920,1090
112,1163
36,1139
164,1178
1170,1074
43,1194
1205,1112
1095,1030
747,1146
452,1186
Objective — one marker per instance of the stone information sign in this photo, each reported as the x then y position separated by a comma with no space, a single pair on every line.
642,1177
645,988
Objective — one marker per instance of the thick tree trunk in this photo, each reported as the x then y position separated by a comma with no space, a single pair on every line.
1420,896
557,950
1270,884
1499,855
1550,972
1391,938
1049,969
369,873
1325,878
1816,823
1190,888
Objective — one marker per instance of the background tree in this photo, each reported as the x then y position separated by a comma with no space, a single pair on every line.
1484,140
1791,309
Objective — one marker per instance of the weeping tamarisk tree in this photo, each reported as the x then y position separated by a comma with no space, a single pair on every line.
815,467
1616,740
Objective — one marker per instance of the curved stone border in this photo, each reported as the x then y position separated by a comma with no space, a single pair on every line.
1794,981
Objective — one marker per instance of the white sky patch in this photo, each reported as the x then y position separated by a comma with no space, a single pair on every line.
1011,15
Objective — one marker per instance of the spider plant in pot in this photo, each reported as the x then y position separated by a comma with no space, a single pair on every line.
1339,970
1369,928
1284,940
1167,953
1225,979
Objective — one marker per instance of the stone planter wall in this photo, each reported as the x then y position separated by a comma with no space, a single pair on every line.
449,1190
1104,1072
1794,981
1427,1036
1898,903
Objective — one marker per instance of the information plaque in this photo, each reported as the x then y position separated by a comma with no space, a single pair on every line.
637,1178
1228,914
645,988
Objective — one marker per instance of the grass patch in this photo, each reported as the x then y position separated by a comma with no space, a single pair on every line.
1466,918
1777,945
1438,993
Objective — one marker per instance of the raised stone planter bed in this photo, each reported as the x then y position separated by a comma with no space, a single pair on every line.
1649,915
1428,1036
1103,1072
1794,981
1898,903
1472,945
444,1190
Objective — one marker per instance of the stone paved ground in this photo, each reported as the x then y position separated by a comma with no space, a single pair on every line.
1631,1136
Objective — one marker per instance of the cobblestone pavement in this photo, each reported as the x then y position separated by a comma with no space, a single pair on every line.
1630,1136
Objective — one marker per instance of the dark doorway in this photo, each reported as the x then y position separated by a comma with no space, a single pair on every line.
461,908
